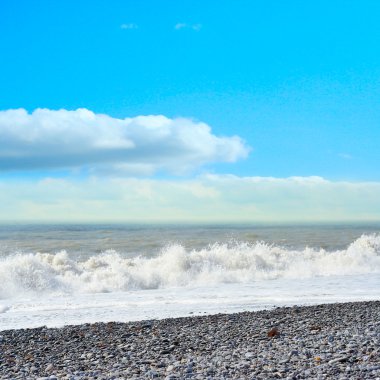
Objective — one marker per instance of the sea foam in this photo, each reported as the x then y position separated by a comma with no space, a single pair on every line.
235,262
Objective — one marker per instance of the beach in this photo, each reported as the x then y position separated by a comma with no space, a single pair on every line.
189,190
194,302
57,275
330,341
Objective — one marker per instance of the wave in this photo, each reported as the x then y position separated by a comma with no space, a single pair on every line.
238,262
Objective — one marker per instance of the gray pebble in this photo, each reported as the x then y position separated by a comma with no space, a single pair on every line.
336,341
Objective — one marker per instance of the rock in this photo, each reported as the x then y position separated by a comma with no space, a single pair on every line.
273,332
338,360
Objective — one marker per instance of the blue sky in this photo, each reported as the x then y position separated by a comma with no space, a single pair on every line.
292,87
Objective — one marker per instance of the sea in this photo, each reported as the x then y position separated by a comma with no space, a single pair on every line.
60,274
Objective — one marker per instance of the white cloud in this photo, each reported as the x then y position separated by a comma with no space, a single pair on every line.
128,26
345,156
47,139
181,25
196,27
209,198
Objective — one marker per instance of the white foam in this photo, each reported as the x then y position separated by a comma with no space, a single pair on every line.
56,311
4,308
238,262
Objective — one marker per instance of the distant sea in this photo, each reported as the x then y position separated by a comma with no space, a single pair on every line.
69,274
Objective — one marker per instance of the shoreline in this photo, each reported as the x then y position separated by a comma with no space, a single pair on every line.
326,341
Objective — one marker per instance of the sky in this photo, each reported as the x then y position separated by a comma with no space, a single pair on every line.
216,110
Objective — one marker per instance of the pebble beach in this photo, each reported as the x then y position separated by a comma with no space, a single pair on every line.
331,341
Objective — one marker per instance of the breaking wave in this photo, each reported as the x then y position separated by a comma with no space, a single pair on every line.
36,273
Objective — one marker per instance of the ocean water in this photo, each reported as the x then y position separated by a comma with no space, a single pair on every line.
68,274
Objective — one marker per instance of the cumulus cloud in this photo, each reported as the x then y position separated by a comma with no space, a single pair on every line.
181,25
47,139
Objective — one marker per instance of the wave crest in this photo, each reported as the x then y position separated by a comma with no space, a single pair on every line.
237,262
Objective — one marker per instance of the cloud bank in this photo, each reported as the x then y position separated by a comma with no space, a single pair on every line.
47,139
211,198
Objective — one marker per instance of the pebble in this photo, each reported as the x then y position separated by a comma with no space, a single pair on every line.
335,341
